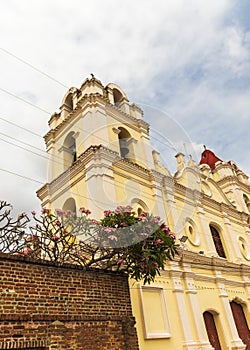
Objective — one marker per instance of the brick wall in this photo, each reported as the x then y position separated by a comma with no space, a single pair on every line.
45,307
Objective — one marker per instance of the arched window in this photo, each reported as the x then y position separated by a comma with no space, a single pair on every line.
247,202
241,323
125,143
139,211
211,330
69,150
70,205
217,242
139,206
69,102
118,98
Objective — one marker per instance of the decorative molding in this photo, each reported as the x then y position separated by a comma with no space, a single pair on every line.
116,130
88,100
124,117
192,232
244,247
77,169
149,331
66,149
228,180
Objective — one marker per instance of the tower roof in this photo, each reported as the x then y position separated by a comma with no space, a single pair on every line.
209,158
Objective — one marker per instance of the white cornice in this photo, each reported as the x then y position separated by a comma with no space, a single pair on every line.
88,100
78,167
124,117
42,192
229,180
215,263
133,168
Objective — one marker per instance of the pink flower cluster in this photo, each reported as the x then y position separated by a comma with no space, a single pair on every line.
27,251
113,238
109,229
119,210
159,241
155,219
107,212
172,235
123,209
143,219
85,211
165,228
60,212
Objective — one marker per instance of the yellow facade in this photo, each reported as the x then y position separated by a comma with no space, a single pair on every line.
100,157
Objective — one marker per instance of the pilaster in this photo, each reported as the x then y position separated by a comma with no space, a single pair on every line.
189,343
205,231
230,240
158,195
100,181
170,206
94,127
235,342
196,312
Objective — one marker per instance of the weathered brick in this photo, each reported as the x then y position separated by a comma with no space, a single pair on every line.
47,307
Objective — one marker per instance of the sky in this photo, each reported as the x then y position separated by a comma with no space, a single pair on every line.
186,63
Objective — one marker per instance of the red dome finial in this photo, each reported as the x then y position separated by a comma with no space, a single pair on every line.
209,158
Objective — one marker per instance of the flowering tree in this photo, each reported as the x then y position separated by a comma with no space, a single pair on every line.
12,231
137,245
141,244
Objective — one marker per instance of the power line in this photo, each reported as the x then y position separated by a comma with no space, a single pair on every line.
191,263
43,110
122,185
33,67
81,129
75,127
23,100
50,77
59,162
45,157
19,175
88,198
32,146
25,149
28,150
55,80
25,143
20,127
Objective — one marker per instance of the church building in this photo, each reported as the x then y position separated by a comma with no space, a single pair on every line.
99,157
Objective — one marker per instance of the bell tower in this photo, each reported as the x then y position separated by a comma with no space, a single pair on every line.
95,131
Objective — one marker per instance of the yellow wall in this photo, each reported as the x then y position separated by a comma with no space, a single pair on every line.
168,313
